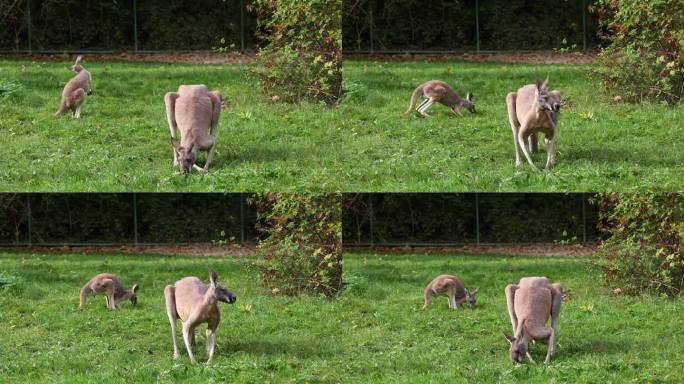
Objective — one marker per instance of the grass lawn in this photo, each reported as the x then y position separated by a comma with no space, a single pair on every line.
600,146
374,332
122,143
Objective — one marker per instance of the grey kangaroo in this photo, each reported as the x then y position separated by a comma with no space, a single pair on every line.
75,90
438,91
531,110
194,303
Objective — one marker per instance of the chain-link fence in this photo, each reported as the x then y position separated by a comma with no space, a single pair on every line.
54,219
452,219
457,26
50,26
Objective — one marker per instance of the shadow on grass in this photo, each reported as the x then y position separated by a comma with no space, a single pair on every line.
300,348
615,155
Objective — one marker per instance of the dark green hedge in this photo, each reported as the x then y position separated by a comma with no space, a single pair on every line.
108,25
109,218
451,218
450,24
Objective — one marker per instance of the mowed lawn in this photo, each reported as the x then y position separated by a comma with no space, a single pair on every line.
374,332
601,146
121,142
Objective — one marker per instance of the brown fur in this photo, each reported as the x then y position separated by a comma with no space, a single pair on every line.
196,112
75,90
112,288
441,92
451,287
530,304
194,303
532,110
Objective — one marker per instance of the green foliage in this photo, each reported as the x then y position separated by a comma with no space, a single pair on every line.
645,59
162,24
645,250
450,25
302,60
7,87
302,252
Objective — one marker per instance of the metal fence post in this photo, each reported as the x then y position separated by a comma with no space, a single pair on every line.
242,32
135,24
370,18
584,217
28,209
477,24
242,218
584,24
135,218
28,20
372,215
477,219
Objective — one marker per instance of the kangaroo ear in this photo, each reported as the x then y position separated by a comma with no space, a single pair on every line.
469,96
475,291
213,277
545,83
190,148
135,288
508,337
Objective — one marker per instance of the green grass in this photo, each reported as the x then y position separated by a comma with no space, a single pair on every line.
374,332
364,144
600,146
122,143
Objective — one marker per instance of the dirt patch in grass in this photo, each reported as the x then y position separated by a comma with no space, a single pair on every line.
201,249
540,57
199,57
543,249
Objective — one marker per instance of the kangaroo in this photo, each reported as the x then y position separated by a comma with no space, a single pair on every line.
533,109
529,305
194,302
451,287
75,90
195,110
111,286
441,92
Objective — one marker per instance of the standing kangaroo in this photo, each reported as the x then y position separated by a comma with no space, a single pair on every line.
195,110
451,287
194,303
111,286
75,90
530,303
441,92
533,109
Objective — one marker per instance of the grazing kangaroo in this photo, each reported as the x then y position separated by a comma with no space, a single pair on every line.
530,303
111,286
75,90
441,92
451,287
195,110
533,109
194,302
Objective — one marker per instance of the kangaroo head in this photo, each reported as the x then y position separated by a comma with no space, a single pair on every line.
471,297
518,348
134,296
186,156
77,67
468,103
544,100
220,293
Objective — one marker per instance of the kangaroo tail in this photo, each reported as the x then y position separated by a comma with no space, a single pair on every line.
84,292
427,295
414,98
62,108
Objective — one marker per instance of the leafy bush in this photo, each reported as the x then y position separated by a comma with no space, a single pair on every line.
303,56
302,252
645,250
645,59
